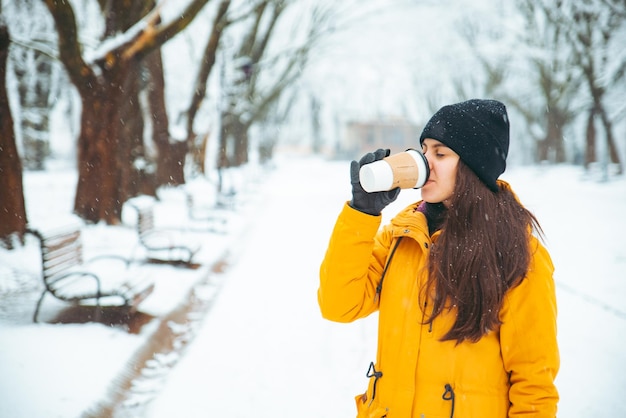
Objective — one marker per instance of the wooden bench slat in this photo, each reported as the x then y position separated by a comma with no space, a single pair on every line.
53,266
61,243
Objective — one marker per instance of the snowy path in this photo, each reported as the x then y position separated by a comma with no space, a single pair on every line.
265,351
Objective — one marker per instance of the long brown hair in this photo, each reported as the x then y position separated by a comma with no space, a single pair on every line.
482,251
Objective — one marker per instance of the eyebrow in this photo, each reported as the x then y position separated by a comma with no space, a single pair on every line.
436,145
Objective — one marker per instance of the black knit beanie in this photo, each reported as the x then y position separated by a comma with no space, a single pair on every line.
477,130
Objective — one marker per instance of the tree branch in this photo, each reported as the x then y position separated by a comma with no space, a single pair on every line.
80,73
153,35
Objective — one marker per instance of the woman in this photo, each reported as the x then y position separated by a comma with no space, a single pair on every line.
464,290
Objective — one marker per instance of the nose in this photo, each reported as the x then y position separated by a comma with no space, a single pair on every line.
430,165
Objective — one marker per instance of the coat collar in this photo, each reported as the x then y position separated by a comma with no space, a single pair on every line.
410,222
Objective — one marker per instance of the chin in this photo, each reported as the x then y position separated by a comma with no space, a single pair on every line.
429,197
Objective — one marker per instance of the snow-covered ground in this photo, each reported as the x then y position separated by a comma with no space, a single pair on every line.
263,349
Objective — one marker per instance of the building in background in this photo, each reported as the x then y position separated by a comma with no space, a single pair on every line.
364,136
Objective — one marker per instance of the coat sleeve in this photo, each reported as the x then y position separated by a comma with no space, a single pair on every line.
352,266
528,339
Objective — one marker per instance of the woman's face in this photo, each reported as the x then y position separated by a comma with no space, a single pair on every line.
443,165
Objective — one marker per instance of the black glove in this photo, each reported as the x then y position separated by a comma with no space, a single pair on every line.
370,203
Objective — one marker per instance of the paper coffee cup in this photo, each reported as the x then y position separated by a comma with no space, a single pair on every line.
406,170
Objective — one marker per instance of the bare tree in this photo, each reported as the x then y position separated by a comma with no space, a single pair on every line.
555,77
592,27
546,100
104,154
35,71
262,76
197,143
12,208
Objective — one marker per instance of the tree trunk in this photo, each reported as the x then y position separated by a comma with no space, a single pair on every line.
224,159
36,76
102,166
316,128
197,143
610,141
34,92
551,148
12,207
590,140
542,149
240,134
169,166
130,144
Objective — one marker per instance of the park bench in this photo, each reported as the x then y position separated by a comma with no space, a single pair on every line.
162,246
211,214
105,280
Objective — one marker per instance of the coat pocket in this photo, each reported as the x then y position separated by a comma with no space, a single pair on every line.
365,410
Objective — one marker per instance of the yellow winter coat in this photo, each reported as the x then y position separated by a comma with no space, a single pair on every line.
509,372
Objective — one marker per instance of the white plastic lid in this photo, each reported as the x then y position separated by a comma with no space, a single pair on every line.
422,167
376,176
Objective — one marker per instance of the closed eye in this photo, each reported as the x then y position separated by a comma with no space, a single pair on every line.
436,148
